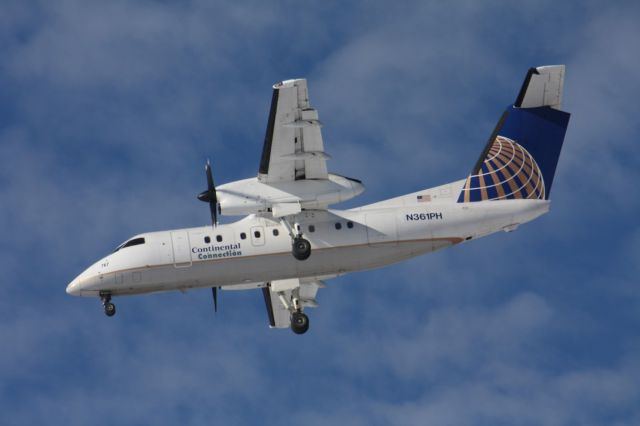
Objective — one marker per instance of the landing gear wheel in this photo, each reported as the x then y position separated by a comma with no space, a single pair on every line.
109,309
299,323
301,248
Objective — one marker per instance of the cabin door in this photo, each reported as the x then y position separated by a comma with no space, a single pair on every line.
181,249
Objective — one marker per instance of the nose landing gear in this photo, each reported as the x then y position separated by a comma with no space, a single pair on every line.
109,308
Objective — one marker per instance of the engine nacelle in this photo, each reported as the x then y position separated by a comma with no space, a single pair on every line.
249,196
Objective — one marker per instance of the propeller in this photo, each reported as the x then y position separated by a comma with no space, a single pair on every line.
214,290
210,196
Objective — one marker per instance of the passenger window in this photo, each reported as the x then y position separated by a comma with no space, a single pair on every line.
312,228
207,240
219,238
338,225
276,233
243,236
256,234
349,224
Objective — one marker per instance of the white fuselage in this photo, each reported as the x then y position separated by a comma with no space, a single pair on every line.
257,249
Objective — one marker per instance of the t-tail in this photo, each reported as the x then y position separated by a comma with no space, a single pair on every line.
520,158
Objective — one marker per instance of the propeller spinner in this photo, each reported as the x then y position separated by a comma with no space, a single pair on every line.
210,196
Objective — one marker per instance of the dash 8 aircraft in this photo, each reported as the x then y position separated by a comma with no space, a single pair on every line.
290,241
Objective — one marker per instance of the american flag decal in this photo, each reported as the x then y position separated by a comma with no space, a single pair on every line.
423,198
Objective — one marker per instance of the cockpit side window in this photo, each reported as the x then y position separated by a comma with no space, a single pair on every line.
132,242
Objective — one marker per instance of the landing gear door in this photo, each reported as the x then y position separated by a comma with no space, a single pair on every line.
181,249
257,236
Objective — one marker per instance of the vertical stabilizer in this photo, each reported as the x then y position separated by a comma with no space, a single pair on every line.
520,158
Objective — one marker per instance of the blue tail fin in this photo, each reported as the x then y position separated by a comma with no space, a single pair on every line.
520,158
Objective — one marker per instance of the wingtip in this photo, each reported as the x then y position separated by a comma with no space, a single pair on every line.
546,69
284,84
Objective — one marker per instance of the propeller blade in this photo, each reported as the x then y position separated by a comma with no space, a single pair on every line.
210,185
214,290
210,196
213,207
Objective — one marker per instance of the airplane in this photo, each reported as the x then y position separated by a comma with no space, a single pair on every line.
290,241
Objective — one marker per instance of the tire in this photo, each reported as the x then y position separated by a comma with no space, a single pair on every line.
299,323
301,249
109,309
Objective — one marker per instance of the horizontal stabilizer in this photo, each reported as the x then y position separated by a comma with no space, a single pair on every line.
542,87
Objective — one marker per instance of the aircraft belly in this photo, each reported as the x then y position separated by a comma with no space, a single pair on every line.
484,218
274,266
385,254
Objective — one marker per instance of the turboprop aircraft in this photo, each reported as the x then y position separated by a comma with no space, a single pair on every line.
290,241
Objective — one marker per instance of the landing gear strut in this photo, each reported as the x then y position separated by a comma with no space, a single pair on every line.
299,322
109,308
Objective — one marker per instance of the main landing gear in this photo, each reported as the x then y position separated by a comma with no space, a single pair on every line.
299,322
291,301
109,308
300,247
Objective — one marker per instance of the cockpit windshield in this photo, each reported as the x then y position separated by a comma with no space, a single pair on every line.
132,242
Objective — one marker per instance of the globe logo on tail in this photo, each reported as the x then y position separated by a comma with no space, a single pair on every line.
508,172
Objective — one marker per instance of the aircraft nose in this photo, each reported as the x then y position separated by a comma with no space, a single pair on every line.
74,287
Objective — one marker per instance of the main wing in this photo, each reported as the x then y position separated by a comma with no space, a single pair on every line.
279,298
293,148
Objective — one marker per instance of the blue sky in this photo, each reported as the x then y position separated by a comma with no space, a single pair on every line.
108,111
